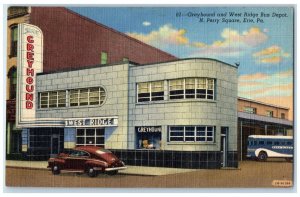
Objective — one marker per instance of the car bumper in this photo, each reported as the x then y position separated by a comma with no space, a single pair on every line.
116,168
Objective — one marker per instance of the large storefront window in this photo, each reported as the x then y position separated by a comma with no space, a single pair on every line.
191,134
90,136
151,91
192,88
45,141
148,137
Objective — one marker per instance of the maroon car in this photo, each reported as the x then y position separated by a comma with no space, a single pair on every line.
89,159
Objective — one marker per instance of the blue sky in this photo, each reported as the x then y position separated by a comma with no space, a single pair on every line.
264,50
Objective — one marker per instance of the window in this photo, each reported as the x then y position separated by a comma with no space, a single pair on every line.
148,137
191,134
87,96
12,75
269,113
192,88
90,136
52,99
269,142
276,143
77,97
250,110
125,59
261,143
177,89
104,58
150,91
14,41
282,115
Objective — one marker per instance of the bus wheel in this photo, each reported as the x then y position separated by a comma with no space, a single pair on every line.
262,156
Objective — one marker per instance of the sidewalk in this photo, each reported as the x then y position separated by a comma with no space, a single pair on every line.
131,170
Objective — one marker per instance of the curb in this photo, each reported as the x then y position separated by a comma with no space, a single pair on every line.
46,169
27,168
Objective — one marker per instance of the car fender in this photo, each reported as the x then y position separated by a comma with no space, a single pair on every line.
59,161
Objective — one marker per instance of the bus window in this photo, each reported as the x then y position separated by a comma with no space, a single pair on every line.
261,142
282,143
254,143
289,143
269,142
276,143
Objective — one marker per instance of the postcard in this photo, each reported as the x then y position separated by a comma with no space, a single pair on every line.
150,97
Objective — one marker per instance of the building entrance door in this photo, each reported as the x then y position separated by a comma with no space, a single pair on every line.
224,146
55,144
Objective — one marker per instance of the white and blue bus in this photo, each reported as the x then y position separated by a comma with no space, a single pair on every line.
262,147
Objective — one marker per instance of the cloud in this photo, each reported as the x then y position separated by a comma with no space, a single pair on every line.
165,35
233,43
260,86
271,55
146,23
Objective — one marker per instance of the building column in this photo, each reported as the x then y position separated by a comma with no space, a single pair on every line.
69,137
241,149
25,141
266,129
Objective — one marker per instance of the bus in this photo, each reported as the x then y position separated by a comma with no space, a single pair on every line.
261,147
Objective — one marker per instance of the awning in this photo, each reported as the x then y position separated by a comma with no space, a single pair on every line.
248,117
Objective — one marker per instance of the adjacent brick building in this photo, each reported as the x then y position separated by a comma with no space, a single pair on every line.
259,118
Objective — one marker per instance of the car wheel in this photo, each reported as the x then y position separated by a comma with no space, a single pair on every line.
111,173
262,156
91,172
55,169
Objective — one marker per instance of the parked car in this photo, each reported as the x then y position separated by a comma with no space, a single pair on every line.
89,159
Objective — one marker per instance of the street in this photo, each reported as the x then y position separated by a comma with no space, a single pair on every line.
250,174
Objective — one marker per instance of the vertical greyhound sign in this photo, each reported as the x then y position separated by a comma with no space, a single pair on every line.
29,63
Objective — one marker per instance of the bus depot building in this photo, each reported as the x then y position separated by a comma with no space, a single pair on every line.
180,114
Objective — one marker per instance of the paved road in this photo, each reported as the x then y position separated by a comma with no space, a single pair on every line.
250,174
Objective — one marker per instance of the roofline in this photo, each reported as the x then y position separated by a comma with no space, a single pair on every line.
87,67
128,62
190,58
259,102
113,30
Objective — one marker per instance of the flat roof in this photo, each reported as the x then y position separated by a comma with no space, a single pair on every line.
262,103
132,63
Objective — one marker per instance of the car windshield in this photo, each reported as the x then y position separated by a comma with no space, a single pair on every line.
102,151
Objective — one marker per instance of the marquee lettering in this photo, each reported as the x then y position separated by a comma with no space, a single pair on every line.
29,72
